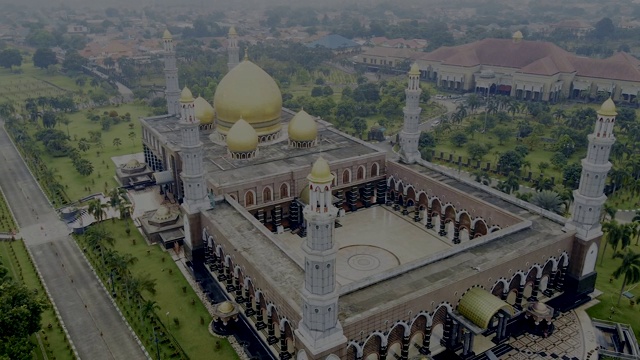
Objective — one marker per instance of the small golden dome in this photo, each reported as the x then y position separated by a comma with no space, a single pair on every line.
232,31
608,108
248,92
132,164
415,69
186,96
517,35
320,172
162,214
303,127
203,110
225,308
167,35
304,194
242,137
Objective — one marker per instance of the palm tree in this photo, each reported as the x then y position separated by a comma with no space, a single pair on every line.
612,233
636,220
117,143
96,238
96,208
62,119
132,136
608,210
629,269
511,184
148,309
548,200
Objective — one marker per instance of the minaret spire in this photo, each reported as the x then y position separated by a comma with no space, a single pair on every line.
589,197
319,328
172,90
232,48
195,190
410,134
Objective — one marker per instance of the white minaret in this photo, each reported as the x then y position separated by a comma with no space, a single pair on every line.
232,48
319,328
195,191
410,134
589,197
172,91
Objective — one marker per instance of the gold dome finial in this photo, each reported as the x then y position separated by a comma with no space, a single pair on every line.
608,108
167,35
225,308
415,69
232,31
320,172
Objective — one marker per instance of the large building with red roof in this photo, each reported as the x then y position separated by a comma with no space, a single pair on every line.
531,70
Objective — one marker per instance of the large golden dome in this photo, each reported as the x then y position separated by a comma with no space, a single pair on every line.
204,111
248,92
242,137
608,108
303,127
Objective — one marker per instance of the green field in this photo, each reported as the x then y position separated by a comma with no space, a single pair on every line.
102,178
625,313
7,223
15,257
174,302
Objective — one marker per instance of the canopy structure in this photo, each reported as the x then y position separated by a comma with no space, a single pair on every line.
163,177
479,306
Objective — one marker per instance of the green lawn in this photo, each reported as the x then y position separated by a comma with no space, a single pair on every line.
102,178
34,82
192,333
16,259
7,224
625,313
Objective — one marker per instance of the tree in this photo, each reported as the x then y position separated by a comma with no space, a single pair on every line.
548,200
43,57
427,140
84,167
458,139
49,119
359,125
603,29
503,133
132,137
74,62
316,91
10,58
117,143
83,145
511,184
477,151
62,119
510,161
629,269
20,316
571,175
559,160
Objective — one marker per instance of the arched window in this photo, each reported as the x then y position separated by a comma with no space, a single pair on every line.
374,169
284,190
249,198
346,176
360,173
266,194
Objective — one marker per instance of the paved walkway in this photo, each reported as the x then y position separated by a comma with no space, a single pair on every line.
94,325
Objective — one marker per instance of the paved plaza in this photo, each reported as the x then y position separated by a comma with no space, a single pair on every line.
365,246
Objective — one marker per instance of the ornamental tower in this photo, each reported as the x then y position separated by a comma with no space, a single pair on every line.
588,201
195,191
319,329
232,48
410,134
172,91
589,197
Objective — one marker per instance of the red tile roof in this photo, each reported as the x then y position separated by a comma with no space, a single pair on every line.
536,57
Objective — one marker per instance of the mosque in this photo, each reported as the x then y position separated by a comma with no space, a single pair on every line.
333,249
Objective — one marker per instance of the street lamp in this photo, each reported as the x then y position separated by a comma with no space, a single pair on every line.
113,289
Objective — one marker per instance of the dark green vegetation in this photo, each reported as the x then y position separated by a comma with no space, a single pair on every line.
618,272
152,293
7,224
534,144
29,328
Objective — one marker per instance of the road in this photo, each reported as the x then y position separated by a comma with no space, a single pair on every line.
94,325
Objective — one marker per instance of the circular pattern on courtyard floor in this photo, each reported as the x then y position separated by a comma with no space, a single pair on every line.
359,261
